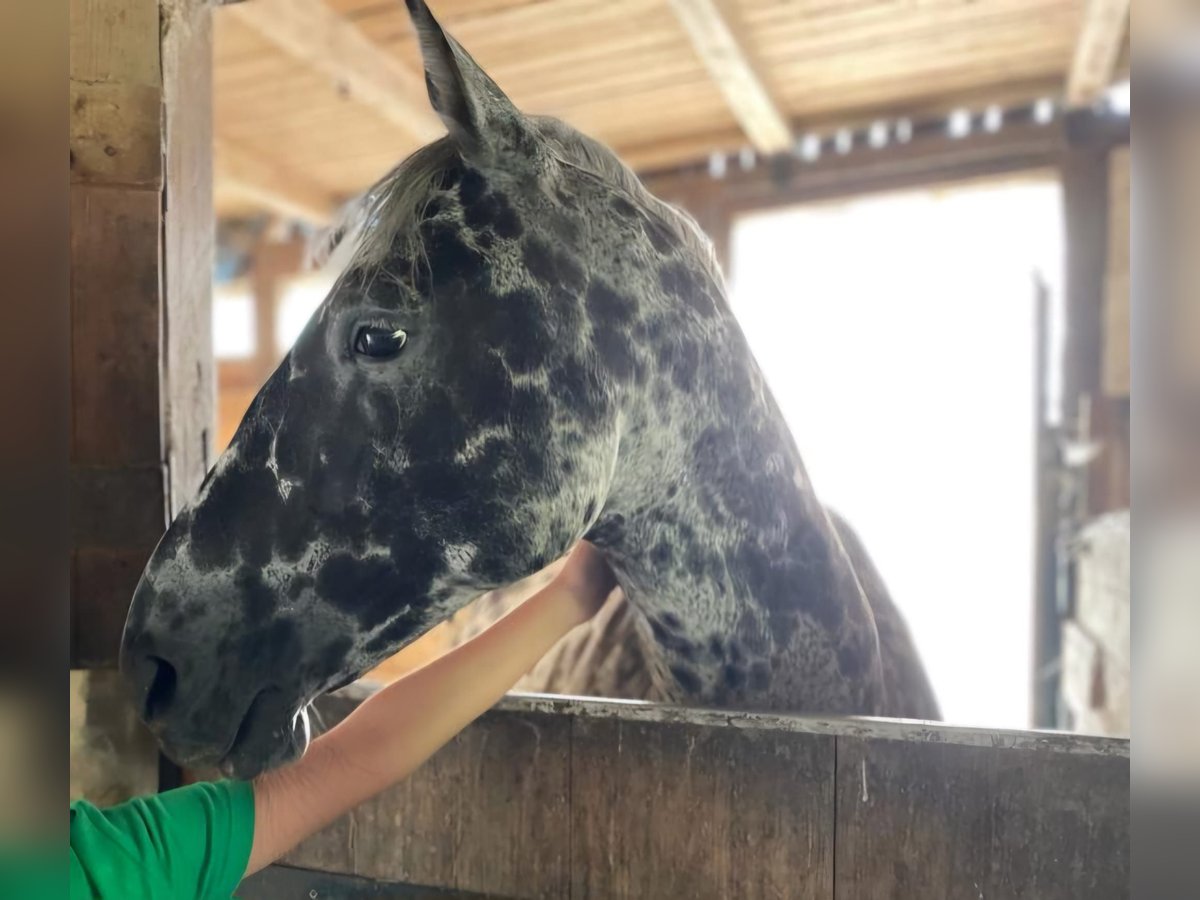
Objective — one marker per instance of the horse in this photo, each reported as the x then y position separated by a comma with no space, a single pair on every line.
525,349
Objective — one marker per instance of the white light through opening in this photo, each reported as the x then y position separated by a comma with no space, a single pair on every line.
234,332
297,305
959,125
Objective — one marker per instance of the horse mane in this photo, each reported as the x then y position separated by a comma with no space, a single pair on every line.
371,222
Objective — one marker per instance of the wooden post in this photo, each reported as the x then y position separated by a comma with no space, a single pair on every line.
141,270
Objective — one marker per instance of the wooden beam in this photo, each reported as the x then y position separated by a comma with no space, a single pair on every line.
316,35
243,172
1101,37
724,54
674,153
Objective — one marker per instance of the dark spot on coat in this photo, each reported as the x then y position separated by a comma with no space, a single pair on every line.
760,675
471,188
301,581
661,554
671,621
687,678
684,361
521,330
733,676
613,346
581,391
607,305
258,600
679,281
530,412
333,656
551,266
484,388
608,531
449,257
369,589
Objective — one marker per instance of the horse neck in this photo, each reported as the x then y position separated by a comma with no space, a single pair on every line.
718,538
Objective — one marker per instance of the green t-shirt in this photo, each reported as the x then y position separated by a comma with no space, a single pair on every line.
192,842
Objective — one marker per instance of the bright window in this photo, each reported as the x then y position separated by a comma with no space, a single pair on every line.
234,332
300,300
897,333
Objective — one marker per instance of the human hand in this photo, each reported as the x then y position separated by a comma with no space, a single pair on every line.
586,579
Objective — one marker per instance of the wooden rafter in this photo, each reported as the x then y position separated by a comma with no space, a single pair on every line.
248,175
316,35
1101,36
724,54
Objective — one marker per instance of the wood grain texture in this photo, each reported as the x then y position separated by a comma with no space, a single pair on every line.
489,814
115,134
628,73
188,242
257,179
319,37
115,41
713,34
115,507
287,882
115,326
954,821
688,811
102,584
559,797
141,270
1102,34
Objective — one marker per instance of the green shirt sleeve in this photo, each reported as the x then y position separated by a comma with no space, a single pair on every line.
191,843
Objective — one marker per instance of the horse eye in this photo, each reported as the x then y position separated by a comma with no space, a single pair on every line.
379,343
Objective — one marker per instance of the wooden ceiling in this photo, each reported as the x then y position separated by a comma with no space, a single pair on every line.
315,99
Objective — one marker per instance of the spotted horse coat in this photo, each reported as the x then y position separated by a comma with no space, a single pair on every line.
526,348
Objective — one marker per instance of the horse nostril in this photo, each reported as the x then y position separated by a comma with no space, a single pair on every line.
162,689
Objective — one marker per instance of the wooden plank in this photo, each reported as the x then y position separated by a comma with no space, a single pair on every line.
115,41
925,160
114,326
115,506
115,134
102,585
188,242
313,33
711,31
488,813
556,797
940,820
270,185
1097,50
687,811
278,882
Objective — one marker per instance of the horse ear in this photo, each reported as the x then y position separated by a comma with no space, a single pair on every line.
478,115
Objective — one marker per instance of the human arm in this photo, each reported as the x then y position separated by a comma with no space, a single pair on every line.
397,729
